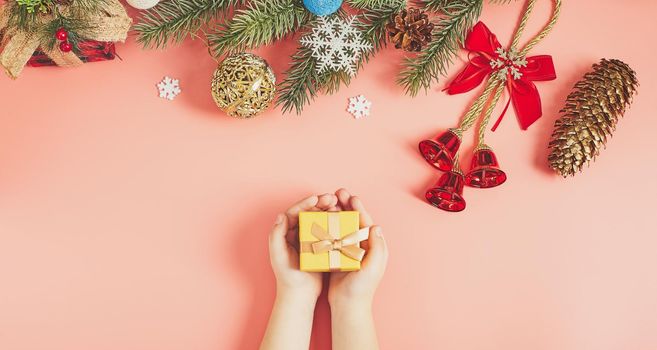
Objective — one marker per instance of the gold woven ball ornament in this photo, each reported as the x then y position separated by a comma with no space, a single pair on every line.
243,85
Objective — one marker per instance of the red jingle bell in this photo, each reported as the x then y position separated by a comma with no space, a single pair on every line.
441,152
447,194
484,172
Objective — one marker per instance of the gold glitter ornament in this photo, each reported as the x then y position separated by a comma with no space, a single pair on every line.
243,85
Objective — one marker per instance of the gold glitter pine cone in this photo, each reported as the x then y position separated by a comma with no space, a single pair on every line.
590,115
409,29
243,85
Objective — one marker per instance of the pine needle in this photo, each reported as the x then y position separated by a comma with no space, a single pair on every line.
435,5
175,20
88,5
373,23
369,4
262,22
300,85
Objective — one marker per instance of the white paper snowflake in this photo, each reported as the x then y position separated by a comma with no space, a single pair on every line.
336,44
359,106
169,88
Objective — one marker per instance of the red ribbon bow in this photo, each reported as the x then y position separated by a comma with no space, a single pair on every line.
524,94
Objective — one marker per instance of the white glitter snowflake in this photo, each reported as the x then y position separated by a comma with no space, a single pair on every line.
336,44
509,62
359,106
169,88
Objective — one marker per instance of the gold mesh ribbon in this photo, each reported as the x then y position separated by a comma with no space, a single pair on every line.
110,24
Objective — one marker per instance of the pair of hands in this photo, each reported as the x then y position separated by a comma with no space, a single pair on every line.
344,287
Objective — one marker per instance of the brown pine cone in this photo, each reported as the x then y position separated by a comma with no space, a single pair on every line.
410,30
590,115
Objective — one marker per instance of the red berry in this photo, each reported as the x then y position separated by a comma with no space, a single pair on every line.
65,46
61,34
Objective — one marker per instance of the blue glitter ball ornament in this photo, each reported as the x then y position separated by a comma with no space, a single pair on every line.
322,7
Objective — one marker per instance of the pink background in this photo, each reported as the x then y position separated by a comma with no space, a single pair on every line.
131,222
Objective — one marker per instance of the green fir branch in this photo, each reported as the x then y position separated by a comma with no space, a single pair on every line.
459,16
81,6
262,22
301,83
175,20
434,5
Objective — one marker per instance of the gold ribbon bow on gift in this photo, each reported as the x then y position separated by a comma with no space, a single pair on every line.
329,242
110,24
348,245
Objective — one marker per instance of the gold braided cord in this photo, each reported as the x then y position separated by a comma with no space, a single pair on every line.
481,132
456,165
546,30
523,23
477,106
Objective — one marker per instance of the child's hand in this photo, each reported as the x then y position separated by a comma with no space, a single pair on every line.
284,249
291,318
350,293
358,287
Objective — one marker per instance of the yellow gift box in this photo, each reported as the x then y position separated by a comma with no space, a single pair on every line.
330,241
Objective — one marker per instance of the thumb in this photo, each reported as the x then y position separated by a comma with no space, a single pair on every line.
277,240
377,254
